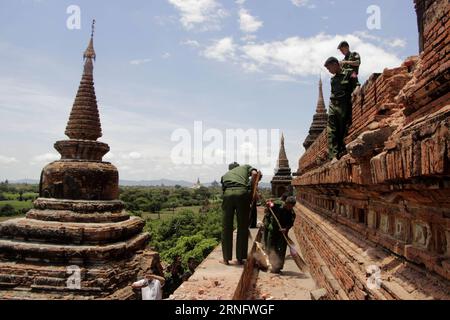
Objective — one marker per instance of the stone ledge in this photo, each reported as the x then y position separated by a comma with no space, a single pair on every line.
82,206
36,252
70,233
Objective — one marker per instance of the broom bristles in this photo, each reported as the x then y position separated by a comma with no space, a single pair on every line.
301,264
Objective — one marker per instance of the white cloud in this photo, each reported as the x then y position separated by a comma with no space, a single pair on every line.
165,20
282,78
248,37
250,67
397,43
306,56
7,160
393,42
204,13
302,57
45,158
166,55
303,3
109,156
248,23
132,156
222,50
191,43
135,155
138,62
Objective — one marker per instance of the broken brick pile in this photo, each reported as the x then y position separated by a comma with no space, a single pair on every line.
392,189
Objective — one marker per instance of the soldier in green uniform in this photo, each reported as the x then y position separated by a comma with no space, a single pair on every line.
274,241
351,63
237,184
340,109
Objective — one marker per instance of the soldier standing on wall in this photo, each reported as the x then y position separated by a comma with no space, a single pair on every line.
351,63
339,110
236,185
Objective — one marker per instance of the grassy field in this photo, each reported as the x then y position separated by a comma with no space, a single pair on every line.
165,214
17,205
15,196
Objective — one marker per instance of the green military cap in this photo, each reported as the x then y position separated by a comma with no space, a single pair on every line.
343,44
233,165
291,200
331,60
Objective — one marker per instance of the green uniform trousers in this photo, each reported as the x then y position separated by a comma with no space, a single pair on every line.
338,123
276,246
235,201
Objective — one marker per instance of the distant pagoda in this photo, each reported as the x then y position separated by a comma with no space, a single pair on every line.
77,242
320,120
197,185
282,179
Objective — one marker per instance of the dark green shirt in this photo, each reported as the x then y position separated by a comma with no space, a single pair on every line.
238,177
352,56
340,86
285,216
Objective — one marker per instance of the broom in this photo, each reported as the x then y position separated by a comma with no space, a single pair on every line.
253,200
301,264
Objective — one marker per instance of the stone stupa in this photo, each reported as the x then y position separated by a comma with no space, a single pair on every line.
281,181
320,120
77,242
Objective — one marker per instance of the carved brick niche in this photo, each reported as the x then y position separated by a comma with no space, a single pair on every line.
384,223
421,234
401,229
372,219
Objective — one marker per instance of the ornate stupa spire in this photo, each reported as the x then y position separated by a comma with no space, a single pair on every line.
320,119
282,179
321,109
84,122
283,161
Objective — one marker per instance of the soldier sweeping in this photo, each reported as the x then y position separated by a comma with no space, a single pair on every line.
237,184
339,117
276,229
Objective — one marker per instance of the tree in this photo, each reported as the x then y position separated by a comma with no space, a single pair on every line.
202,193
7,210
215,184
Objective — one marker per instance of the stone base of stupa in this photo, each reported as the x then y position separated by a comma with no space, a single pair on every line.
61,242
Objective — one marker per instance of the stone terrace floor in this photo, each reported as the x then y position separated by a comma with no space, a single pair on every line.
215,281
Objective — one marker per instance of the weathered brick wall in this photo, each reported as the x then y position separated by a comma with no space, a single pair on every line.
392,190
430,88
345,264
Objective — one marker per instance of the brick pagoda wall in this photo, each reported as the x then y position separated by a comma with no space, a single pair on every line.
391,193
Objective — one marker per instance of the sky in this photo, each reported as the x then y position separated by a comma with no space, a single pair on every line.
164,65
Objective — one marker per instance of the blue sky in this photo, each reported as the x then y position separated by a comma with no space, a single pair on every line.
163,64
